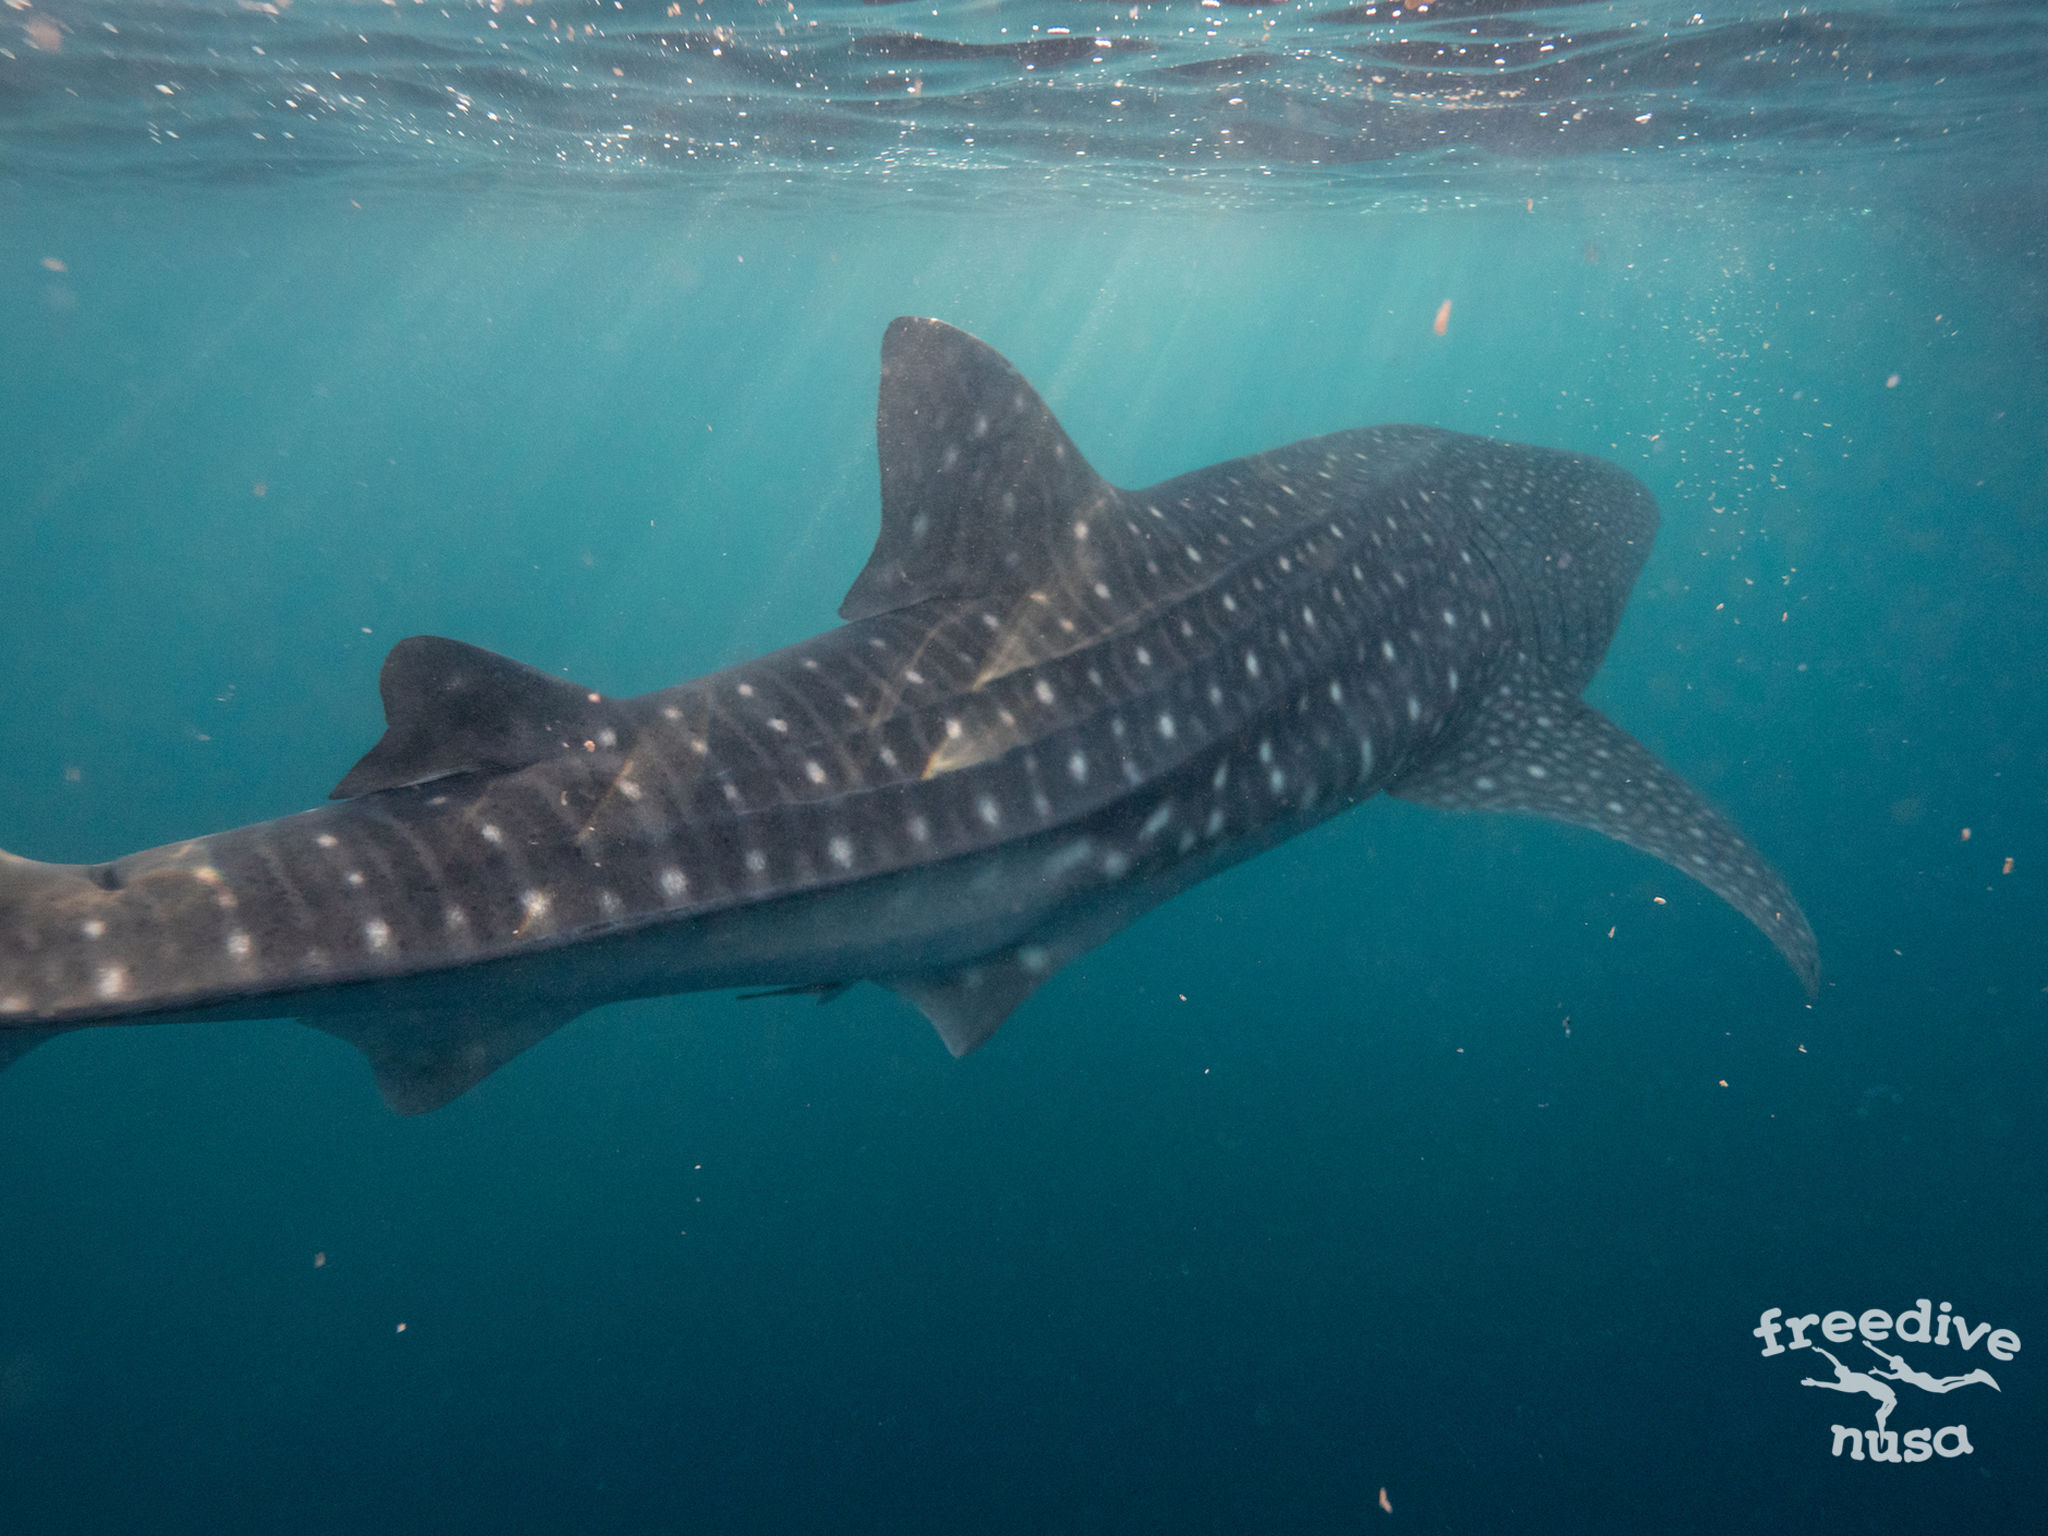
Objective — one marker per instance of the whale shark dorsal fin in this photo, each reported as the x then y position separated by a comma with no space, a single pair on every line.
1534,748
980,484
453,708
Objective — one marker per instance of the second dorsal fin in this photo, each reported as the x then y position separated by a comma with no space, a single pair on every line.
979,481
454,708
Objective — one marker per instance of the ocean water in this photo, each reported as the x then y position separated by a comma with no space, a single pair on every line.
1427,1172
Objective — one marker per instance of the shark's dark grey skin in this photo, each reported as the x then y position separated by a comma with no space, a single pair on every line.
1053,705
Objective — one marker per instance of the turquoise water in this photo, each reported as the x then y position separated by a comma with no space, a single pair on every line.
1450,1157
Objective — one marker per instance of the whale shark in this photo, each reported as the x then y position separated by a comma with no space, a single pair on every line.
1052,705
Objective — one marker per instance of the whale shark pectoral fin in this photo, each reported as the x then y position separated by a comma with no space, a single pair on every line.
968,1004
980,483
1546,753
423,1058
454,708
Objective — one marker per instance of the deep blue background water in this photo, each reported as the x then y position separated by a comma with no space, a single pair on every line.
1299,1189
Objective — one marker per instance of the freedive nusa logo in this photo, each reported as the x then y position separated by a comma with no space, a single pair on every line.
1920,1325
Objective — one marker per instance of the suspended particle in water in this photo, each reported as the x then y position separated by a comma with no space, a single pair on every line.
1443,318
